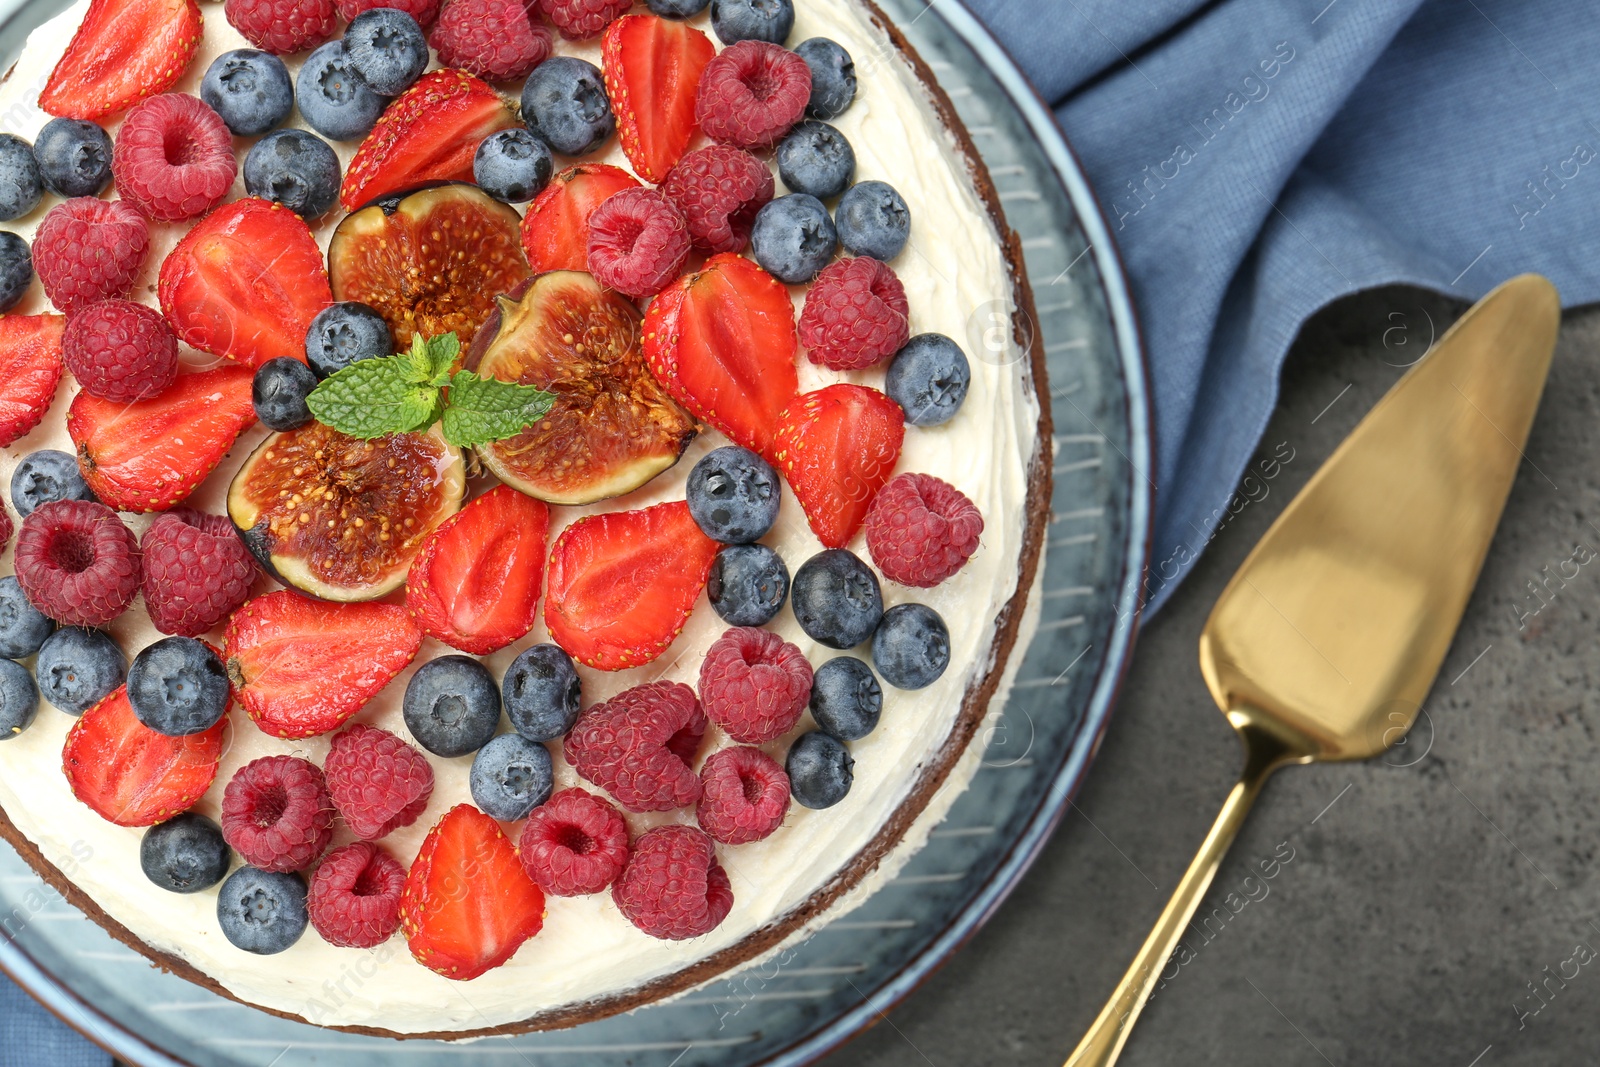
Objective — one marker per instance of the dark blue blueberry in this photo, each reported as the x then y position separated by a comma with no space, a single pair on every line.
542,693
815,158
846,698
837,599
564,103
733,495
873,220
23,627
748,584
928,378
262,911
77,667
386,47
510,777
344,333
279,393
74,157
185,854
452,705
20,184
251,90
512,165
833,77
793,238
333,99
912,646
178,687
296,169
19,699
820,770
16,269
44,476
676,9
752,20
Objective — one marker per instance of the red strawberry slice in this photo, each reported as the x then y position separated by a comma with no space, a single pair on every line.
301,667
150,455
475,584
245,283
555,231
428,133
30,368
130,774
837,447
653,69
622,584
124,51
468,905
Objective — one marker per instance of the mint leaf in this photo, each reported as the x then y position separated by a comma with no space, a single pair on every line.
375,397
486,409
442,353
418,362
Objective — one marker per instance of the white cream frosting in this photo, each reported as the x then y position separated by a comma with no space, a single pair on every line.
952,270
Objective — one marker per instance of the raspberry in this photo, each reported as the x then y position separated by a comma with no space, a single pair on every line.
284,26
196,571
921,530
377,781
744,797
638,745
754,684
77,562
6,529
673,887
424,11
494,39
856,315
574,843
277,814
637,242
752,93
88,249
173,158
719,189
580,19
354,897
119,350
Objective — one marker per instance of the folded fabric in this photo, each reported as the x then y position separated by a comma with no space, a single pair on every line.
32,1037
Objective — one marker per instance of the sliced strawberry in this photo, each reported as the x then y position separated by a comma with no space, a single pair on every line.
301,667
245,283
428,133
723,342
837,447
129,773
468,905
555,231
124,51
653,69
151,454
622,584
30,368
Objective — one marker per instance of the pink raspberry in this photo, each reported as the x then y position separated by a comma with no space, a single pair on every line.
719,189
637,242
754,684
377,781
752,93
856,315
354,896
494,39
173,159
196,571
120,351
574,843
6,529
284,26
87,249
424,11
673,887
745,794
581,19
921,530
637,746
277,814
77,562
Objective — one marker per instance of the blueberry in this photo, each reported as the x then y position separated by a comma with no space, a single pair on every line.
452,705
296,169
820,770
185,854
178,687
345,333
20,184
837,599
77,667
833,77
733,495
19,699
911,647
542,693
846,698
676,9
748,584
928,378
793,238
815,158
74,157
510,777
23,627
279,393
564,103
251,90
262,911
16,269
44,476
752,20
512,165
873,220
333,99
386,47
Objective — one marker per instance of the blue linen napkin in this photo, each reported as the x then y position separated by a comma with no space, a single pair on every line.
32,1037
1257,159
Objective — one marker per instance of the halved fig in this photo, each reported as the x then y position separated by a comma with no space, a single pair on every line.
341,518
613,427
430,260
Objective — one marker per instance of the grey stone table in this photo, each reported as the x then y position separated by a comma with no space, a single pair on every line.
1439,906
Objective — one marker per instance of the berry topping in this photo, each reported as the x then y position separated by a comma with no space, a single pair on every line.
494,39
332,98
816,158
752,20
23,627
754,684
748,584
542,693
856,315
377,781
673,887
510,777
564,102
637,746
452,705
78,668
512,165
123,51
173,158
282,26
185,854
820,770
911,647
342,334
837,446
581,19
744,797
793,237
88,249
638,242
19,699
262,911
74,157
846,698
277,814
354,899
424,11
837,599
387,49
131,775
278,393
16,269
77,562
921,530
752,94
676,9
177,687
833,77
719,189
119,350
196,571
21,187
574,843
733,495
928,378
555,231
251,90
653,70
873,220
296,169
30,368
44,476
